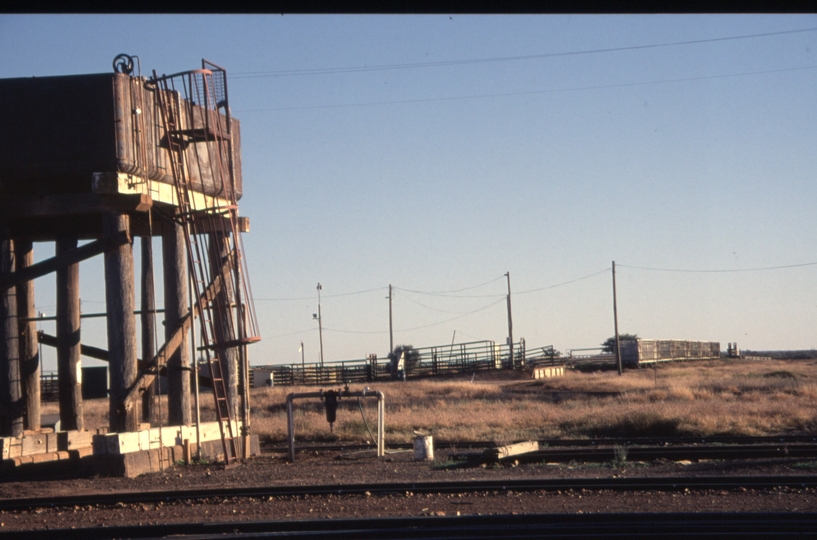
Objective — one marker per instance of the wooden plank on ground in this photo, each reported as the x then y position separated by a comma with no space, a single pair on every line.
510,450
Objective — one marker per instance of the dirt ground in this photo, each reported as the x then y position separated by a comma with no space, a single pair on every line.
332,468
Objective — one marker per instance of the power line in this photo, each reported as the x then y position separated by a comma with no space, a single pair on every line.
530,92
418,327
443,293
566,282
454,318
293,333
410,299
734,270
446,63
323,296
356,331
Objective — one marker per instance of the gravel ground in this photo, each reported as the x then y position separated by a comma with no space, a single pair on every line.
329,468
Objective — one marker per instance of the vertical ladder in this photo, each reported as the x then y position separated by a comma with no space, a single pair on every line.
197,137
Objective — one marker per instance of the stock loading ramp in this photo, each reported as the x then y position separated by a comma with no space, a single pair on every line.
108,157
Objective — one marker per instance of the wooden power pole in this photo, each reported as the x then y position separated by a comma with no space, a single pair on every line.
615,321
510,320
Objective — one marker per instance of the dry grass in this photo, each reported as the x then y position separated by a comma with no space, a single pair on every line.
695,399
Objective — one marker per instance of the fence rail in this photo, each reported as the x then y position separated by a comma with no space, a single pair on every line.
420,362
49,386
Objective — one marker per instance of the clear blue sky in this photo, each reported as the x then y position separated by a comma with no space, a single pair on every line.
436,153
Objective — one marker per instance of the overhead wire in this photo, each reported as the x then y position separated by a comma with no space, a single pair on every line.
452,291
446,63
294,333
410,299
722,271
566,282
453,318
531,92
322,296
503,296
416,327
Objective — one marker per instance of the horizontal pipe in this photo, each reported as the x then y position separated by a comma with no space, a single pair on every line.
381,410
86,316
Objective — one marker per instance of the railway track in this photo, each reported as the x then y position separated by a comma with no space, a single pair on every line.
631,449
575,443
552,526
543,484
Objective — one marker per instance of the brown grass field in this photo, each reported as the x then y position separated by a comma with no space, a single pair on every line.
706,398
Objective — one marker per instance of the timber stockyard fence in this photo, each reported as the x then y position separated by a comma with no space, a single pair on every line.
420,362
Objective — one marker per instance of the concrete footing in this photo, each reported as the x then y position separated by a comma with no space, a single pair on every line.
79,453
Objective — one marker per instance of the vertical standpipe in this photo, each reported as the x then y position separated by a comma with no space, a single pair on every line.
381,411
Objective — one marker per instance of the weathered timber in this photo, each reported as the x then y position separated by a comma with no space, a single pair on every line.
510,450
148,374
11,403
64,259
223,321
148,319
174,255
119,299
68,341
71,204
85,350
29,351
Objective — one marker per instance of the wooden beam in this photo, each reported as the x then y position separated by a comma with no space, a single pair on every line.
149,372
119,302
85,350
72,204
68,341
29,352
174,260
11,402
511,450
150,413
64,260
210,223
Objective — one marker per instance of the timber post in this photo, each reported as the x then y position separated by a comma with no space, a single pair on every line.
11,406
174,260
223,320
148,320
119,299
69,361
29,350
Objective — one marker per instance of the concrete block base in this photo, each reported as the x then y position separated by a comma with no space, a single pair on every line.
133,464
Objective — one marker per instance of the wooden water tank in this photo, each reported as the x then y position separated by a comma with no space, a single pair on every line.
92,133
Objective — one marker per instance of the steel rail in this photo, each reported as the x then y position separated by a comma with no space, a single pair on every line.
539,484
560,443
488,527
630,453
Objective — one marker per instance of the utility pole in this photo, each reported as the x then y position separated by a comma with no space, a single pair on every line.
391,329
320,324
510,319
615,321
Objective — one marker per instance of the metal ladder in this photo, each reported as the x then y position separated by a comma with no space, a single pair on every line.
198,136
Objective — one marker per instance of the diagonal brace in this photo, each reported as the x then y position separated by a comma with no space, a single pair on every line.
151,368
72,256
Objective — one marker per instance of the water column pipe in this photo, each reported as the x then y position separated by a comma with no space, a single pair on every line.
381,408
